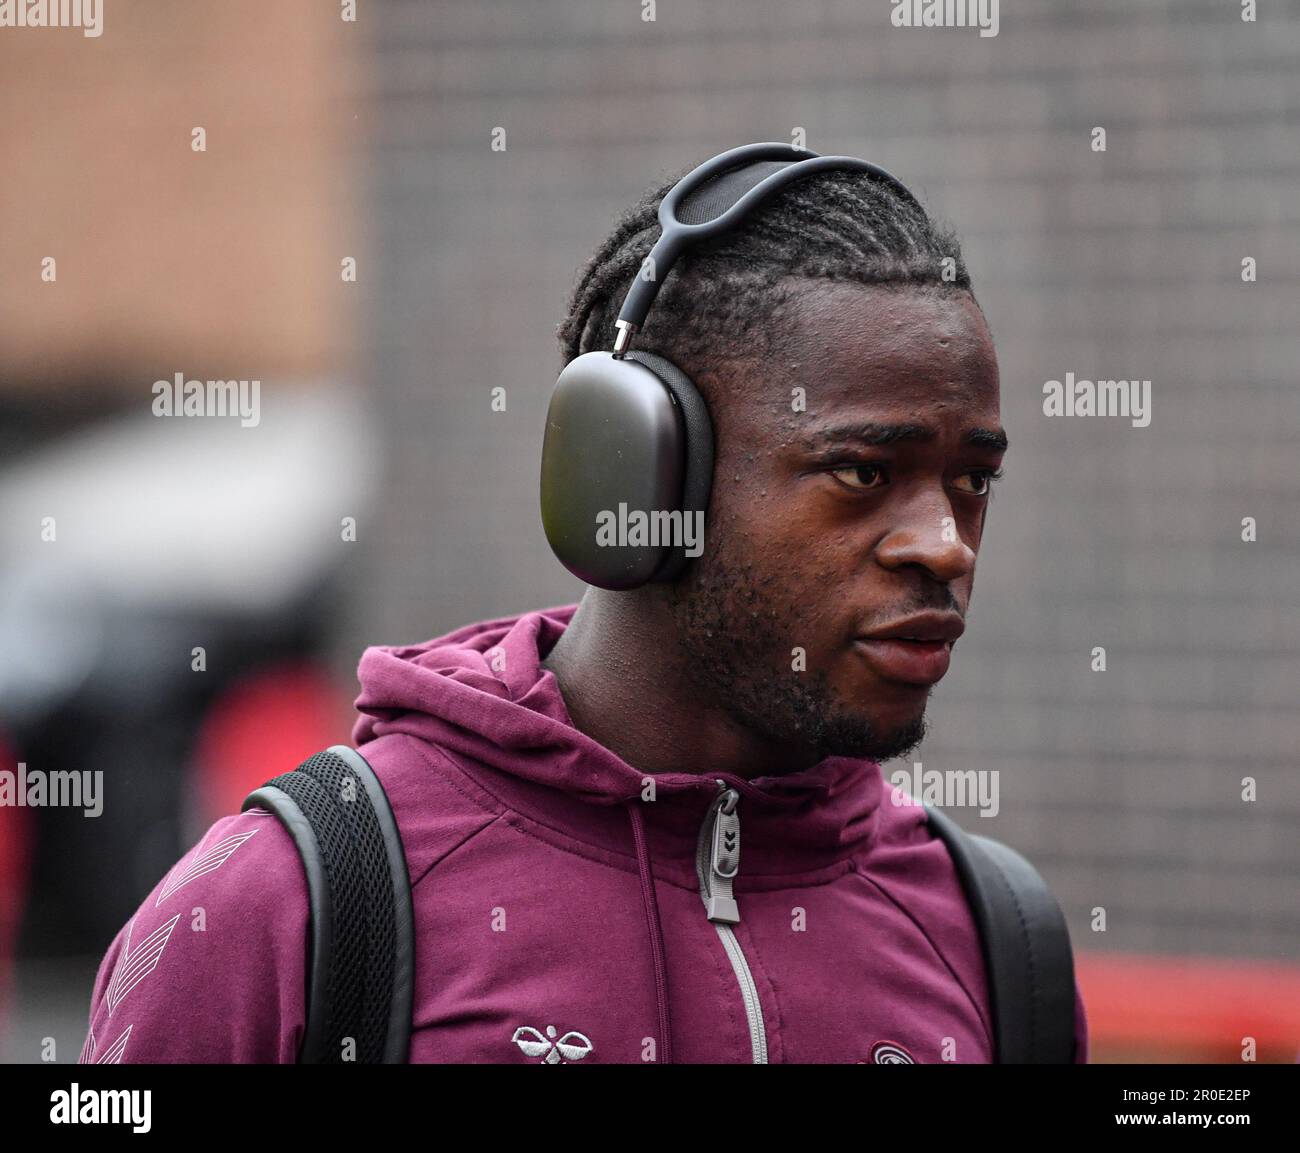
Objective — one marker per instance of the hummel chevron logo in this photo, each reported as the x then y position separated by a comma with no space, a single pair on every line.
208,861
134,967
552,1052
113,1054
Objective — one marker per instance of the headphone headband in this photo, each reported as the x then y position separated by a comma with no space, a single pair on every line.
676,235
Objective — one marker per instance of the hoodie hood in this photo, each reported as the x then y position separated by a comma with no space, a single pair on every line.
480,695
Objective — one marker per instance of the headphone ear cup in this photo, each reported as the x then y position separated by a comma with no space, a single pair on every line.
697,464
616,451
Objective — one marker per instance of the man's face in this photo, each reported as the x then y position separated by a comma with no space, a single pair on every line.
859,517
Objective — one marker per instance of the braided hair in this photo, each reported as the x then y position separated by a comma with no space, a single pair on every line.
721,297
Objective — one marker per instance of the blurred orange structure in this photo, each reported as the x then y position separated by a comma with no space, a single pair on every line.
1189,1009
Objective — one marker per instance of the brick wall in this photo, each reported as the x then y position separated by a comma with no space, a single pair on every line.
223,262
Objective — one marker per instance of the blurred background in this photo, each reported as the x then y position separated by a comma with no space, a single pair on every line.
182,607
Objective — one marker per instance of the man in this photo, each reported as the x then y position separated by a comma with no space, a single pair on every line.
559,778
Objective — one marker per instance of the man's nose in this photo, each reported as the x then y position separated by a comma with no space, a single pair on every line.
926,534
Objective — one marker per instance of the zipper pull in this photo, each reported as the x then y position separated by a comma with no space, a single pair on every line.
724,859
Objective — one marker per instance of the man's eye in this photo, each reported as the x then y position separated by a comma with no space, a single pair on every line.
860,476
980,481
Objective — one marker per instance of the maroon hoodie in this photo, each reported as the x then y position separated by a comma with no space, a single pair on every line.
558,909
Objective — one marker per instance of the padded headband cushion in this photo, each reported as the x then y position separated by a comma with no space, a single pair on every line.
719,193
697,479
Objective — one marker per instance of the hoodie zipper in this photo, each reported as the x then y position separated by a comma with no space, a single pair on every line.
717,860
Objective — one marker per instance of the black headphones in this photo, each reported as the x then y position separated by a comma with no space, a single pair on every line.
627,462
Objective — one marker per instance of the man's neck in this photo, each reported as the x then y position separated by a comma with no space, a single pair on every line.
625,684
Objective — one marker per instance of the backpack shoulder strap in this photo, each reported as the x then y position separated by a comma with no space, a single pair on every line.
361,971
1026,947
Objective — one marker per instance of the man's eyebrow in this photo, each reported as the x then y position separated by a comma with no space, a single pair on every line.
868,433
994,438
873,433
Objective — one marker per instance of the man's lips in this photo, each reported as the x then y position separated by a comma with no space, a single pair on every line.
913,662
915,651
